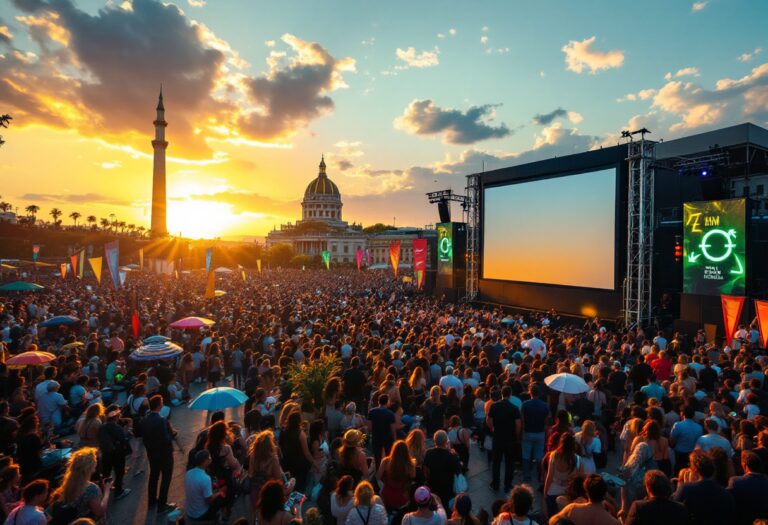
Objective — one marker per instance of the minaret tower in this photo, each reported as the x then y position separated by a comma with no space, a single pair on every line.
159,228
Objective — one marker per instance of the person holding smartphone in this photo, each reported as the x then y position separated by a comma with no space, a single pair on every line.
430,509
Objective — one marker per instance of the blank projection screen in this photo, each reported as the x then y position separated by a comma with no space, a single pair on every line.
554,231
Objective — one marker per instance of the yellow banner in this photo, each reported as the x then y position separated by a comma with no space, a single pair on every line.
95,263
210,287
258,264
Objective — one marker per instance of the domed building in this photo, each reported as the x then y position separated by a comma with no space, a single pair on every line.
322,228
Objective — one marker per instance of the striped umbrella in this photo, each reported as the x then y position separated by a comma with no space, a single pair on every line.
156,351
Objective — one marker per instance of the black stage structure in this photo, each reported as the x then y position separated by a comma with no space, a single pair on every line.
735,163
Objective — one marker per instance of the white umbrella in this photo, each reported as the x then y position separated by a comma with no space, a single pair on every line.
222,269
566,383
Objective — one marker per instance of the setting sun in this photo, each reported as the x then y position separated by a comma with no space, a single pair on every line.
199,219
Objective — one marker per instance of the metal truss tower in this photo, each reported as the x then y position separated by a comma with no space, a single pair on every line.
640,218
473,237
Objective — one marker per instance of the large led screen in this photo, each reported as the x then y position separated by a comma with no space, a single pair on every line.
553,231
714,247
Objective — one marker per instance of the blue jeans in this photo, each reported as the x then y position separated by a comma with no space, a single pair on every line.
533,449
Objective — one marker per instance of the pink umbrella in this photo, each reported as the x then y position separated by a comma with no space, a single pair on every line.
30,358
190,323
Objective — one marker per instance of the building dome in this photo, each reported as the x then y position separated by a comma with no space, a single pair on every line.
322,185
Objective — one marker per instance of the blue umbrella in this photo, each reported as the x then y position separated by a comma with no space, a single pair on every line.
156,351
156,339
59,320
508,320
218,398
20,286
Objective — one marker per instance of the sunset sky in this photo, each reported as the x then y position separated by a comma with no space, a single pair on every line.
402,97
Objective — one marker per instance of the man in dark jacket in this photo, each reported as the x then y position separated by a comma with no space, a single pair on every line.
707,502
158,434
657,508
114,445
750,490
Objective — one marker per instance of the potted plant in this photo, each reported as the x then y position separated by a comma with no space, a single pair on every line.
308,379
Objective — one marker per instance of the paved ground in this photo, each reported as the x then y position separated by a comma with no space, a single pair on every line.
132,510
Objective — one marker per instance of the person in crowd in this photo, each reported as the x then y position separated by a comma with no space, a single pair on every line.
441,465
201,502
396,473
10,493
382,428
707,502
749,491
224,466
564,463
657,508
684,436
504,422
343,499
462,511
429,509
366,510
89,424
78,492
593,512
270,506
533,414
589,445
352,458
158,434
114,442
31,511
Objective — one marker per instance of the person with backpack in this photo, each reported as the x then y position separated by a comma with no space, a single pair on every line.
30,512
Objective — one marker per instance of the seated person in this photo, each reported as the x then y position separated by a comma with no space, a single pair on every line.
201,502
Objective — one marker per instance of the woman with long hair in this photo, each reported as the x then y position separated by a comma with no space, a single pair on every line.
417,447
294,447
459,437
396,472
224,465
462,511
589,445
342,499
264,464
352,458
78,491
659,444
270,506
564,463
10,494
89,424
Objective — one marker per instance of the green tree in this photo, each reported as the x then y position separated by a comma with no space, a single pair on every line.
299,261
378,228
55,213
280,255
5,121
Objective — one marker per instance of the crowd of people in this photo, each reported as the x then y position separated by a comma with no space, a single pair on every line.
423,394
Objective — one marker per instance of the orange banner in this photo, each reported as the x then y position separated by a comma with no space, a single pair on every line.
96,267
732,306
63,270
73,260
210,287
762,321
394,255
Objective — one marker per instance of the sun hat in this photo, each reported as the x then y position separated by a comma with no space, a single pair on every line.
351,438
113,410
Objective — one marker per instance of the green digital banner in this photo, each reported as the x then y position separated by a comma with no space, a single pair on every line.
714,247
445,248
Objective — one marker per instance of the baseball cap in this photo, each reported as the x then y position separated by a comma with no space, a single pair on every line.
422,495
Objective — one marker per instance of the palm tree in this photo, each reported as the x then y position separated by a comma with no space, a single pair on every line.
74,216
121,224
5,206
104,223
55,213
92,221
141,229
131,228
32,210
114,224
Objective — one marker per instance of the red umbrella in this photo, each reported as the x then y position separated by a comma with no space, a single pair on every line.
189,323
30,358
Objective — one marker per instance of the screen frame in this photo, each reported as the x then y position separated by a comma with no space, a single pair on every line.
619,212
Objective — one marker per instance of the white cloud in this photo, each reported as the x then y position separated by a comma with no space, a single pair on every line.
686,71
369,42
452,31
485,29
698,6
580,55
575,117
110,165
196,3
484,40
643,94
441,36
269,43
418,60
746,57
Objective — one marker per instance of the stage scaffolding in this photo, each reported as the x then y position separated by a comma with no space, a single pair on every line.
473,237
640,209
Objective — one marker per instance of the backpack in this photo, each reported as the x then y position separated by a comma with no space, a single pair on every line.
63,513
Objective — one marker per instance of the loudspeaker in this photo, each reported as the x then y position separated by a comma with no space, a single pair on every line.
444,209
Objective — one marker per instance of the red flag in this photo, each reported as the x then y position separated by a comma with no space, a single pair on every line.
419,260
732,306
762,321
359,257
135,321
394,255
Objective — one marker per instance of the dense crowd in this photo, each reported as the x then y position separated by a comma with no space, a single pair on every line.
673,429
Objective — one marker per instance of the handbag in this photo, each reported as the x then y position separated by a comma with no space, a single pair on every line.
460,484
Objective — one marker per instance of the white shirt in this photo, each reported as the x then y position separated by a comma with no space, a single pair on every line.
535,347
197,488
449,381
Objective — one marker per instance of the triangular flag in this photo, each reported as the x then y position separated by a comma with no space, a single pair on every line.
242,272
80,264
63,270
210,287
762,321
359,257
394,255
73,264
123,276
208,259
258,264
141,258
96,267
419,260
327,259
732,306
112,253
176,273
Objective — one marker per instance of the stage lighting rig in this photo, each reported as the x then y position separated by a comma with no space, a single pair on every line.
443,198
